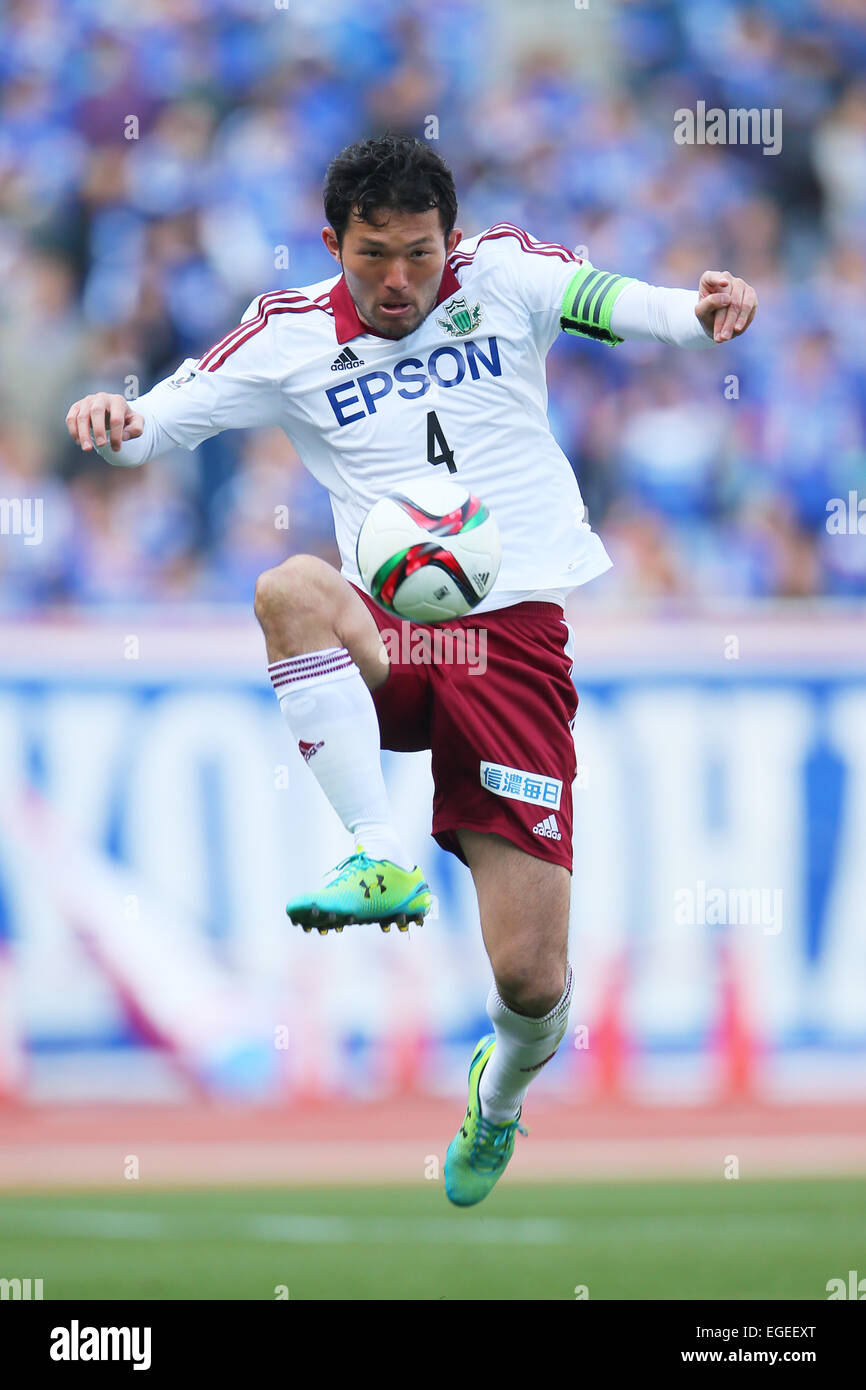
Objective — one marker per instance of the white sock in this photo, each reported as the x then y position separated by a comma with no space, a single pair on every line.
331,715
523,1045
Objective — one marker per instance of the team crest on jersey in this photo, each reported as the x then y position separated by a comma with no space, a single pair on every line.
461,319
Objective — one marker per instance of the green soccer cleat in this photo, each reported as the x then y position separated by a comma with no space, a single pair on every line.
362,890
479,1152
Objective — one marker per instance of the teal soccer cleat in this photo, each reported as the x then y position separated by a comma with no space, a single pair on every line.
479,1152
361,890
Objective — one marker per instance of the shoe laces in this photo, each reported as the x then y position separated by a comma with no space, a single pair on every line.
490,1144
346,867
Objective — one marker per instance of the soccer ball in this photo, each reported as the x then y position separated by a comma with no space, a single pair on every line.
429,553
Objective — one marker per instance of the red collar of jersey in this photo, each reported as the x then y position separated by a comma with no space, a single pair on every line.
346,320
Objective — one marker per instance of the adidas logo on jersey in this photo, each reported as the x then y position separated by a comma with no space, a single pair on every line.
346,361
548,828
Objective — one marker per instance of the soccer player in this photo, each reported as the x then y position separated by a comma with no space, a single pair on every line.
427,351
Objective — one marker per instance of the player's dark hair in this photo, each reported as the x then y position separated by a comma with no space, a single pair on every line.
393,172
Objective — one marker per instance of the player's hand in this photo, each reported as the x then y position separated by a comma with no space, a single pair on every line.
111,418
726,305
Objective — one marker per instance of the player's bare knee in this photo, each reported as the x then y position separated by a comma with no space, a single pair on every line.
526,988
304,605
295,595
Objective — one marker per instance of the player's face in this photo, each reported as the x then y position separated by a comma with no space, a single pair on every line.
393,268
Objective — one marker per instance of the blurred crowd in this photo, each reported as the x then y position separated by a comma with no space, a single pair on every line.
155,158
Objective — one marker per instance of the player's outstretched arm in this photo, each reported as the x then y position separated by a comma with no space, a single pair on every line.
237,388
615,308
726,305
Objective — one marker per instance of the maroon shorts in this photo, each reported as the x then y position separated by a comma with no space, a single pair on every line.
495,703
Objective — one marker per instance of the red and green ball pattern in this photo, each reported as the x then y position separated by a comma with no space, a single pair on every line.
390,576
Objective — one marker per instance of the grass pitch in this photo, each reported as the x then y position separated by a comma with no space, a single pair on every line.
778,1239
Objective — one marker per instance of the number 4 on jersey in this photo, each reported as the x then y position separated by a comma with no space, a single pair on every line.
437,445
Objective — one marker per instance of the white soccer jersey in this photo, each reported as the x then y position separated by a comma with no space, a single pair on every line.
465,393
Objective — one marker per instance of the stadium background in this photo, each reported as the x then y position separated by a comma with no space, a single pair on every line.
154,817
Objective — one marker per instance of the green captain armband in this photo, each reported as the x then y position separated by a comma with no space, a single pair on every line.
588,302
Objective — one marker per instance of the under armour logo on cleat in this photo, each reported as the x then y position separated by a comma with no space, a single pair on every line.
308,749
366,887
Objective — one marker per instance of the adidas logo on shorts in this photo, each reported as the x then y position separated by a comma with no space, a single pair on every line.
548,828
346,361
